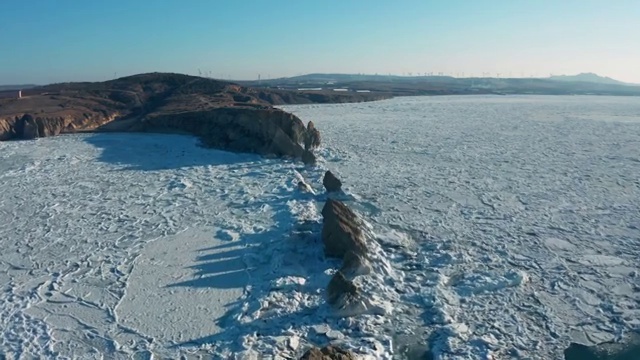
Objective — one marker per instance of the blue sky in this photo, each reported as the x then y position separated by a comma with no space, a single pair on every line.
43,41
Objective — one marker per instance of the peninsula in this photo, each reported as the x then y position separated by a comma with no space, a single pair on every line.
223,114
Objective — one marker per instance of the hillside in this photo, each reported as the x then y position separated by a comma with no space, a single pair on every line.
224,115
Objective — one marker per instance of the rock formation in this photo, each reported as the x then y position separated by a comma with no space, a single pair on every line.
355,264
343,236
312,138
224,115
331,182
28,126
341,290
308,157
341,231
328,353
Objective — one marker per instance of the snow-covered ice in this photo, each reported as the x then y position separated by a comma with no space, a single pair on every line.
134,246
500,227
513,218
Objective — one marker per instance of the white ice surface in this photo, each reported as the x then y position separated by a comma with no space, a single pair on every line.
128,246
154,303
500,227
514,219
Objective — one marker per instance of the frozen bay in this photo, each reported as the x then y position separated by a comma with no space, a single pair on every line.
510,224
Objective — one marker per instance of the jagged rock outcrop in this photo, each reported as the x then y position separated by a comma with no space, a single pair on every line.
312,138
341,231
328,353
224,115
343,235
308,157
627,349
331,182
341,290
355,264
262,131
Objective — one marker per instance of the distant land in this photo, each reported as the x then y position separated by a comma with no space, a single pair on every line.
336,88
394,85
588,77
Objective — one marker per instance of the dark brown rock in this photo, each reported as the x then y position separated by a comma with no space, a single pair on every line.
312,137
339,237
308,157
331,182
341,290
338,208
29,128
328,353
341,231
354,264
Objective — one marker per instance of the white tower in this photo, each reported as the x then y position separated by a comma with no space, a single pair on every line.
19,94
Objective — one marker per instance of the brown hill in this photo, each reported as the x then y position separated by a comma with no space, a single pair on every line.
224,115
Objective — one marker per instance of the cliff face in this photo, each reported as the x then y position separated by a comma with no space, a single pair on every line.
223,115
262,131
30,126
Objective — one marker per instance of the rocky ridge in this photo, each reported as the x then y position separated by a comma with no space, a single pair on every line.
343,237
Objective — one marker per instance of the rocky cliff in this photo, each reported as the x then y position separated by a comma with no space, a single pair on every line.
223,115
263,131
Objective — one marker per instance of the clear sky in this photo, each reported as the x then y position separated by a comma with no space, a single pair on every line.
43,41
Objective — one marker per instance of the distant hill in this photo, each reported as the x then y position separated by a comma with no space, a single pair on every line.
342,78
583,84
588,77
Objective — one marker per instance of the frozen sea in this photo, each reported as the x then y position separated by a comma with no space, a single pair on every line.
502,227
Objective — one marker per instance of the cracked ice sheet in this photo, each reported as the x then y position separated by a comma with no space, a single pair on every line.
181,284
95,258
131,246
513,218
